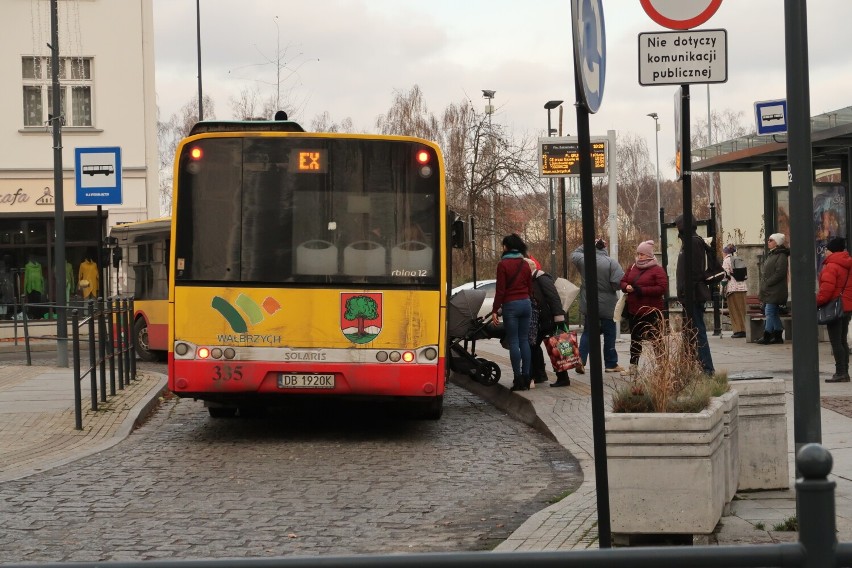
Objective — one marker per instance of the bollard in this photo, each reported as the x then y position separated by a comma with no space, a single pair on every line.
126,350
815,506
110,339
102,339
78,395
119,342
93,374
27,336
132,312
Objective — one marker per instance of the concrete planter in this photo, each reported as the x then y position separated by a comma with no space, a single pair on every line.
763,434
731,443
667,471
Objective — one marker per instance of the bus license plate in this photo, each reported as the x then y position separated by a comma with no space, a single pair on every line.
305,381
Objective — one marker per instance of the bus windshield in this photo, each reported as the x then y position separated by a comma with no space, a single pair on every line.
309,210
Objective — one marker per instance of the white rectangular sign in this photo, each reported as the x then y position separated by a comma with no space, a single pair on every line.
683,57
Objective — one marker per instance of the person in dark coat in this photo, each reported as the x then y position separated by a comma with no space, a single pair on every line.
773,288
645,283
512,295
834,282
695,326
547,303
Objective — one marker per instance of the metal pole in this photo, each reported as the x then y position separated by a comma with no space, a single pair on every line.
564,213
198,40
551,219
709,142
806,403
657,154
78,394
93,363
58,188
590,281
688,221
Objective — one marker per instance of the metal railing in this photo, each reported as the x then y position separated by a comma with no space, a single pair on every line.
817,546
110,340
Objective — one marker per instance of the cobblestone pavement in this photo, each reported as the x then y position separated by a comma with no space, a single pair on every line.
318,481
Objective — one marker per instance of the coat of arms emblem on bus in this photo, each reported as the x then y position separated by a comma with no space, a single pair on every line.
364,310
249,307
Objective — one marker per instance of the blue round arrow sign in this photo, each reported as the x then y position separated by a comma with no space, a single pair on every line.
589,51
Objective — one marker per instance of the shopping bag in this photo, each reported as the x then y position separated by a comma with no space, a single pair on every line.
619,307
563,350
567,291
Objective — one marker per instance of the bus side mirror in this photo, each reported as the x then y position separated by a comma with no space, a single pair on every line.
116,257
459,235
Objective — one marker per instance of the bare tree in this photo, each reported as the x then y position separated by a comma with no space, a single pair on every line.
636,188
169,135
324,123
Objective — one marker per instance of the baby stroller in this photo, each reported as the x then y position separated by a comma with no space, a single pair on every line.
464,325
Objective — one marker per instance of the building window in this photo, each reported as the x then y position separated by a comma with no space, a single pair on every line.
75,90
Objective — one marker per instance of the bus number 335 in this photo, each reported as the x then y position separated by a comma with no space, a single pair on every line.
227,373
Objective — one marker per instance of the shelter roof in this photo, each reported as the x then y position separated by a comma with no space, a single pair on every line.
831,139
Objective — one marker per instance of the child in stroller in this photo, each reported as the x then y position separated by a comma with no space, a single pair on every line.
464,325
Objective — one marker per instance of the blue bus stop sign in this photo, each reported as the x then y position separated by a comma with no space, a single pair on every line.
589,51
98,175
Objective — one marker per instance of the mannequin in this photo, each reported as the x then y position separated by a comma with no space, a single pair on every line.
88,278
33,286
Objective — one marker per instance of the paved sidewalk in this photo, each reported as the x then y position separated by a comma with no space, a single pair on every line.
566,414
37,417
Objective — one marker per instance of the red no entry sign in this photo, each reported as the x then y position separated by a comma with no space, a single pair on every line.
680,14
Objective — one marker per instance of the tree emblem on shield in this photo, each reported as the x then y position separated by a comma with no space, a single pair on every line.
361,316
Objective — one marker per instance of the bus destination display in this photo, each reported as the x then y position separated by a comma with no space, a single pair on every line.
560,159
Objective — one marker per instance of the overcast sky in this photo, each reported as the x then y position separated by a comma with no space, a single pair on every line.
349,56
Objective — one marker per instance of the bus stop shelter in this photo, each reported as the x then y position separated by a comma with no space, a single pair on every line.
831,148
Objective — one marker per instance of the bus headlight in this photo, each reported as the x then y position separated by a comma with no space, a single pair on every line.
181,349
430,353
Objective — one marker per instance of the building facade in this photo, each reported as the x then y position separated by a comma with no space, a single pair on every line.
108,100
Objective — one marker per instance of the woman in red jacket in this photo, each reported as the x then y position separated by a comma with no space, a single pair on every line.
514,288
645,283
833,282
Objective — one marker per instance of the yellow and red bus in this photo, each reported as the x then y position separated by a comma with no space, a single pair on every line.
144,273
307,264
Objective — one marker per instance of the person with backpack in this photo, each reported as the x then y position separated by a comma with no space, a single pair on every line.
548,314
735,289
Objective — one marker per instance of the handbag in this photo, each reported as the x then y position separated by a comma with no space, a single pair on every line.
563,350
833,310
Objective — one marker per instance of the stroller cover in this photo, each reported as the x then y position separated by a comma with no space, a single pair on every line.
462,311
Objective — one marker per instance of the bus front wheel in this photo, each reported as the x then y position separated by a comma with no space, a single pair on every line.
140,331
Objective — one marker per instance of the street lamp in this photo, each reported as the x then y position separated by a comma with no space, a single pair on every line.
550,105
488,94
657,143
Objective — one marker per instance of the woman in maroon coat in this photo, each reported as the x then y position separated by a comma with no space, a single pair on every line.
833,282
645,283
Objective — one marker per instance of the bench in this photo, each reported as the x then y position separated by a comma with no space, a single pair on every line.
757,321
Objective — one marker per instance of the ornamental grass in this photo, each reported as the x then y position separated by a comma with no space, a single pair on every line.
669,377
